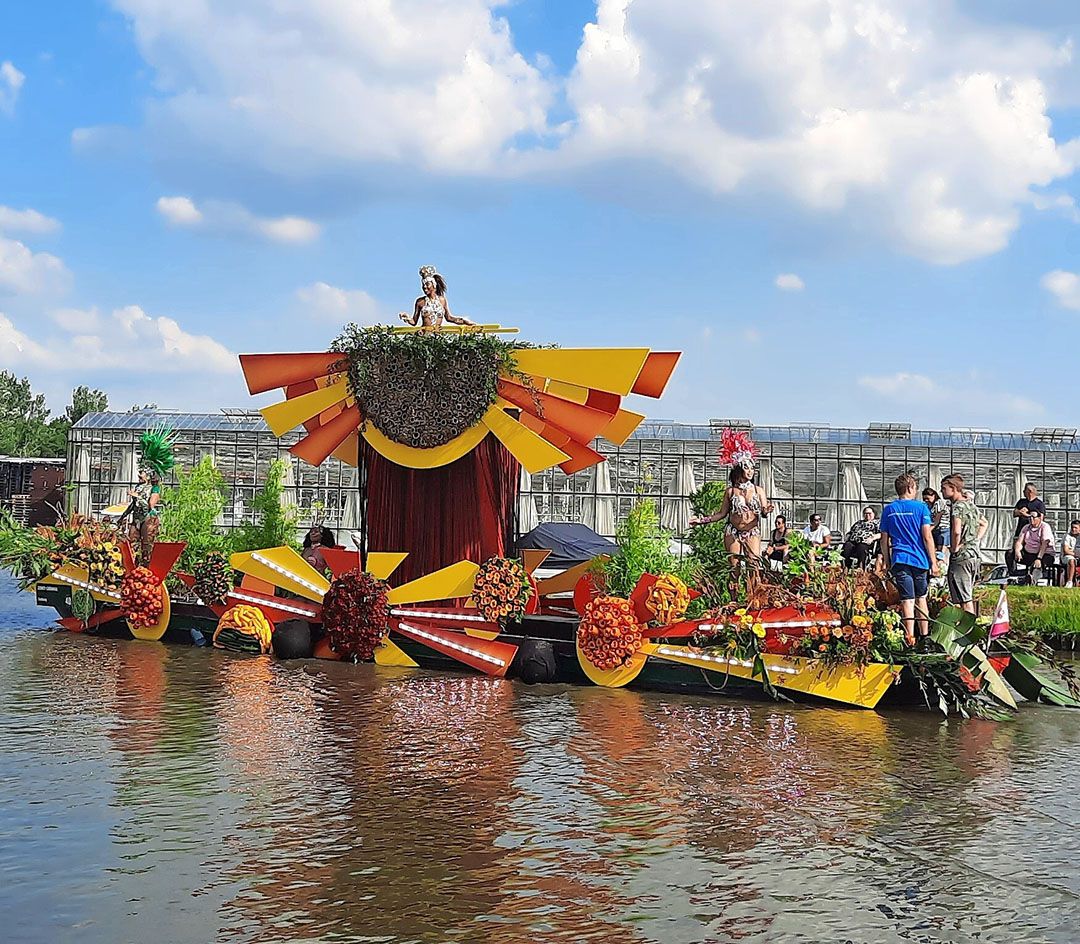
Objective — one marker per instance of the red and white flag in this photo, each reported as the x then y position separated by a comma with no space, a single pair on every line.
999,625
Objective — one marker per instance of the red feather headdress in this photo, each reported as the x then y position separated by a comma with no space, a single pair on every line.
736,447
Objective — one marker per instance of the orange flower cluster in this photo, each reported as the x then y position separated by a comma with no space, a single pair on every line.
501,590
668,599
609,634
140,595
838,645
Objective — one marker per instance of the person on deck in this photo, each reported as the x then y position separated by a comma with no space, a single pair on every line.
1022,513
860,540
315,540
965,534
432,308
1070,544
939,520
817,534
1034,545
778,543
907,549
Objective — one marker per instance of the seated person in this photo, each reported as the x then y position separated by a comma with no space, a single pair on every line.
861,540
315,540
1070,544
1034,546
778,542
817,534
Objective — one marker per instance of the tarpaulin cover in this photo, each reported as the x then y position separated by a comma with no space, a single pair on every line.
570,543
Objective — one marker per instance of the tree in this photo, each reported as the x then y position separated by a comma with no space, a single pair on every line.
83,401
276,523
24,429
190,512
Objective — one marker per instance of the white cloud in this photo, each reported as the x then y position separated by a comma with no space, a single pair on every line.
971,398
27,221
340,304
226,216
16,349
11,83
789,282
292,87
76,320
25,272
131,339
1064,286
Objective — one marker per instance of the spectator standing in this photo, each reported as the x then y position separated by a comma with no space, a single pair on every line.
1070,545
1022,513
965,525
817,534
939,518
907,549
1034,546
860,540
778,541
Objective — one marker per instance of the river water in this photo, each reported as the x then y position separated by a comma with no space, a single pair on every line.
174,795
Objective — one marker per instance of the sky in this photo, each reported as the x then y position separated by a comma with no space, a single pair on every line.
842,211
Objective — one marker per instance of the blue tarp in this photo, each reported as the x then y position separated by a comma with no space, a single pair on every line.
570,543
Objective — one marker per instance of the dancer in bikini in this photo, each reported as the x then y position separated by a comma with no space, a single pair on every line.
432,308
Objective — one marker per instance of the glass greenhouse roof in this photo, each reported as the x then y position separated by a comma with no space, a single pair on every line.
238,421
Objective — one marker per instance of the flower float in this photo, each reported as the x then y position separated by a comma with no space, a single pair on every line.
356,614
502,590
609,634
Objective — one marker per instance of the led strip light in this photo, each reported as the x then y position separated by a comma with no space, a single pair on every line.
720,660
428,614
75,582
431,637
286,607
792,624
287,573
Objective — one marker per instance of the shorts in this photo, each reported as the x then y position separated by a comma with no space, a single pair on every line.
941,538
910,581
962,576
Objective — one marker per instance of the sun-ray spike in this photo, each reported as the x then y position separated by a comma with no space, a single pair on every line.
581,423
127,555
163,556
389,652
75,625
340,560
287,415
382,564
533,558
317,445
485,655
276,608
532,451
656,373
282,567
614,370
622,426
567,580
266,371
445,584
349,451
566,391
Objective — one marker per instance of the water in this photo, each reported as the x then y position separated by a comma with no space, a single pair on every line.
153,793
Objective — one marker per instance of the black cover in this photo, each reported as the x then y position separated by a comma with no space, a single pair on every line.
570,543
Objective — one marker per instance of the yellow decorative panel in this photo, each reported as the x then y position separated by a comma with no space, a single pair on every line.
445,584
613,370
284,568
287,415
532,451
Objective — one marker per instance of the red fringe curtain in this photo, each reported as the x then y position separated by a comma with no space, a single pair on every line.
461,511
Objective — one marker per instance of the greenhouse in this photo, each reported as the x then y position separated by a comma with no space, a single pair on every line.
805,468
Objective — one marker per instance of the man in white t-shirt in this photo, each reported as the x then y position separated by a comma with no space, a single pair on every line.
817,534
1070,544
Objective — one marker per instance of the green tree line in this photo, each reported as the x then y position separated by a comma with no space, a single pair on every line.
27,426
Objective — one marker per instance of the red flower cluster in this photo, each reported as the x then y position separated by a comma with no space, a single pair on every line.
140,595
609,634
356,615
502,590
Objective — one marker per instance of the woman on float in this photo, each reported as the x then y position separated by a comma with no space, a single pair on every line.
432,308
745,504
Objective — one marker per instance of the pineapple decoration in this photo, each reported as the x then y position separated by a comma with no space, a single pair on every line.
103,561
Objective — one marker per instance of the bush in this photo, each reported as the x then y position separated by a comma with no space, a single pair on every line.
190,512
275,525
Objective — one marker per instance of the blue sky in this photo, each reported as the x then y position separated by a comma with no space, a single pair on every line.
841,211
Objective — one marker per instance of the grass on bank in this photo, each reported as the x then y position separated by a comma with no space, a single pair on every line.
1045,611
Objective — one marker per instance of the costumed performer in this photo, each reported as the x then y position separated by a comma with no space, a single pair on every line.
744,502
145,506
432,308
318,537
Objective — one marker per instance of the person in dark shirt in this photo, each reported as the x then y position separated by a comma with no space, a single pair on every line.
1022,513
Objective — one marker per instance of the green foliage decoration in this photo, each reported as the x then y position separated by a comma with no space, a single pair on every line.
275,524
190,512
644,547
708,556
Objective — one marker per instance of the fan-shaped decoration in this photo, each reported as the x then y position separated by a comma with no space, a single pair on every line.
549,404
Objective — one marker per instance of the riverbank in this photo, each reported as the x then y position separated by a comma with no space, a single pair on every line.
1051,613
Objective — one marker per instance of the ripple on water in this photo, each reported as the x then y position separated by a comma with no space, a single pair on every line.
228,798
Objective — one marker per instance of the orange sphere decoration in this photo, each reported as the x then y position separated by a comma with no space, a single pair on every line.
609,634
140,595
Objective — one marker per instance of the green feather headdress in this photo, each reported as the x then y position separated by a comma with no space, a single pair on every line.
157,453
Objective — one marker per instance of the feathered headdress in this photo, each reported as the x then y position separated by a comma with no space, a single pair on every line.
157,452
737,448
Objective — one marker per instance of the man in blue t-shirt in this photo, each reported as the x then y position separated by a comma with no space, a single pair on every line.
907,547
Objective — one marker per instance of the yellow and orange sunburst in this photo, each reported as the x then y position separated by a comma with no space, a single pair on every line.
576,396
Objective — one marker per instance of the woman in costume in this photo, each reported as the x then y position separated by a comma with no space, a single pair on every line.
318,537
145,507
432,308
745,504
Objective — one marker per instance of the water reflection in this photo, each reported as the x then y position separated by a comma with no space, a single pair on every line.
238,799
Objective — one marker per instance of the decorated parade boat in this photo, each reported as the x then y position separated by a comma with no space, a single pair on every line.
439,416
